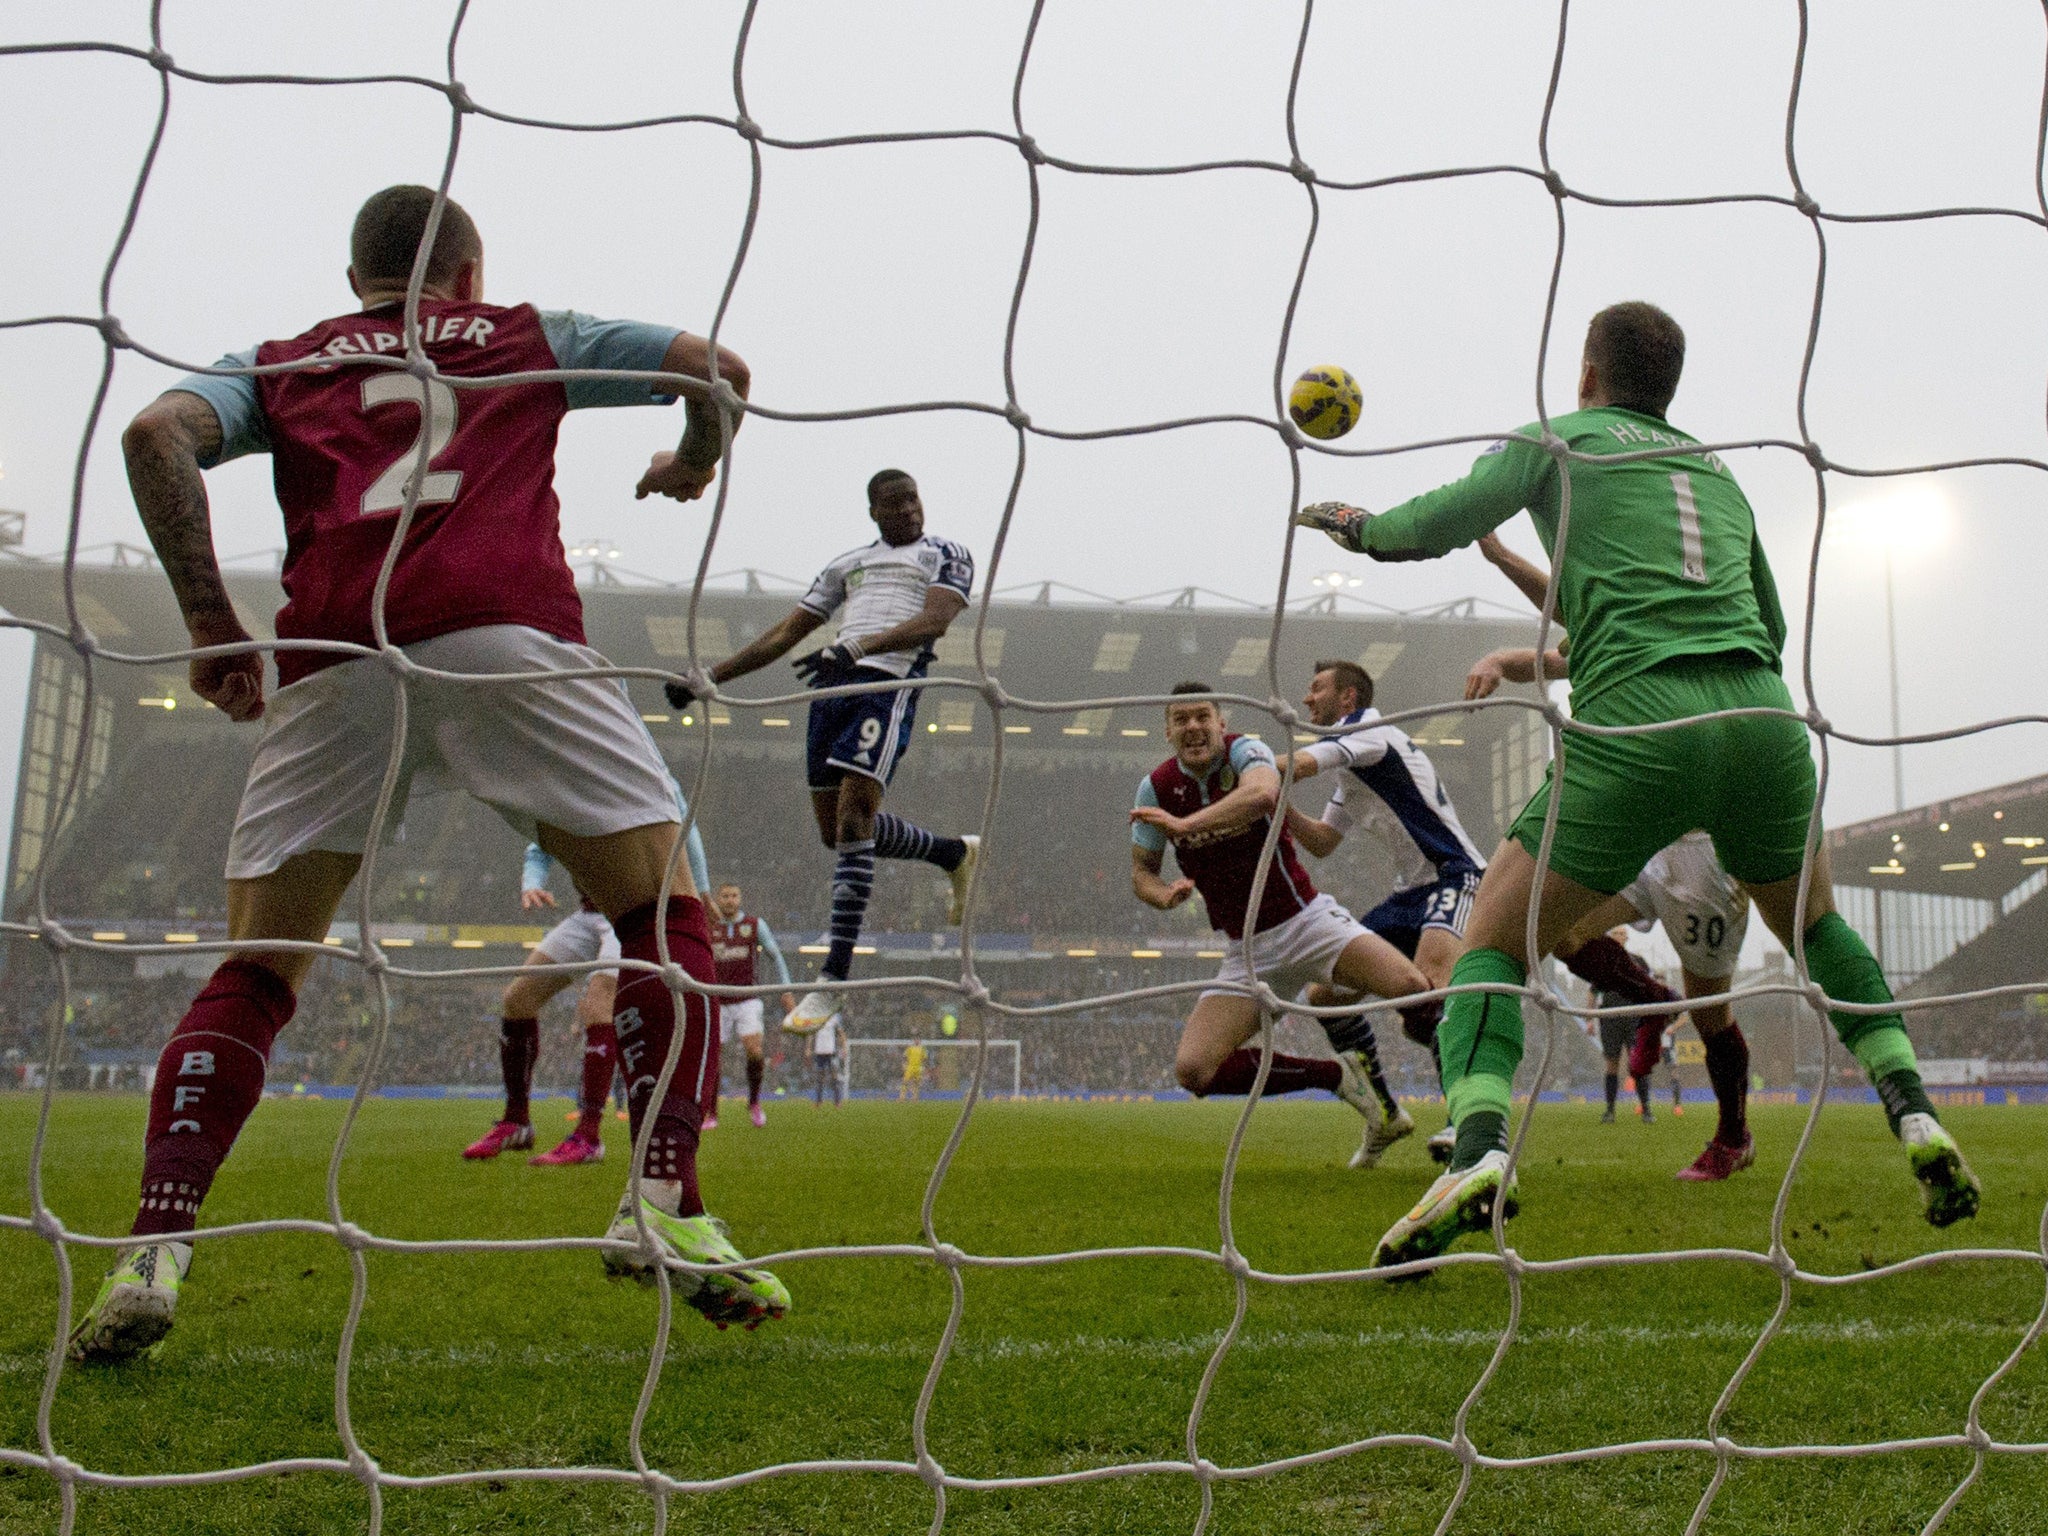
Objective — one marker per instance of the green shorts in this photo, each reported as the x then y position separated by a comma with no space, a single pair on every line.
1748,782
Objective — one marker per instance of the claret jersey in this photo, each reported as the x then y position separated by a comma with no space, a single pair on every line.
736,942
485,543
1222,864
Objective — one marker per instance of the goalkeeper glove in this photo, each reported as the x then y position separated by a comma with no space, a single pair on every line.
828,661
1344,524
680,695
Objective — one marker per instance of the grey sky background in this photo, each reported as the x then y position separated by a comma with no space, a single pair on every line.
884,274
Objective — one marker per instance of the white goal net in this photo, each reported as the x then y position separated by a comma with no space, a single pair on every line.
1031,423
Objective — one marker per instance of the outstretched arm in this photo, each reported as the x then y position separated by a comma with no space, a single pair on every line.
1513,666
685,473
1256,795
1318,837
164,447
765,937
1506,478
772,644
1530,579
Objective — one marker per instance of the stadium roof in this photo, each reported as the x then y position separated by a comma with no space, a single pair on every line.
1980,845
1044,644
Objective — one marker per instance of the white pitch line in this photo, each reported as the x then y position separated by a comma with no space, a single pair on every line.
1187,1346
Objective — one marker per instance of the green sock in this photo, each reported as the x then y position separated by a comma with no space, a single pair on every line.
1480,1132
1840,961
1901,1094
1479,1043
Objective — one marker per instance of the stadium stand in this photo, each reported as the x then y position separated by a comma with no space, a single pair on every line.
140,852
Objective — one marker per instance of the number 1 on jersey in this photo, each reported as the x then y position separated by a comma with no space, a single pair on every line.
1692,550
437,426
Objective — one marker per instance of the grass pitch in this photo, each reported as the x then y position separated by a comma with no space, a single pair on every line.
496,1360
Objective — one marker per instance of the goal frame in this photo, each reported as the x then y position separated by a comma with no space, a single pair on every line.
989,1091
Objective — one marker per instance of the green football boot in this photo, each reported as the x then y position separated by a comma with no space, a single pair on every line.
1457,1203
748,1296
132,1312
1947,1186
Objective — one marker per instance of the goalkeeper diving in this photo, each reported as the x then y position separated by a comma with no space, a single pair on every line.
1672,613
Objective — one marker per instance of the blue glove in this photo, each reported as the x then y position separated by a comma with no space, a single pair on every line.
828,662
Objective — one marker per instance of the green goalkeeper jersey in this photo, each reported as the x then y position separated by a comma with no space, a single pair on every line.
1662,557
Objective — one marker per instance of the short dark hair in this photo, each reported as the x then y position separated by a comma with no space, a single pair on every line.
388,230
1639,352
882,477
1350,675
1180,688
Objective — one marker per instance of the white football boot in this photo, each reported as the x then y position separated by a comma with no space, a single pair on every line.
812,1012
1378,1138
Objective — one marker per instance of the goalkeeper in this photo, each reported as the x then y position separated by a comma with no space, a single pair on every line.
1664,589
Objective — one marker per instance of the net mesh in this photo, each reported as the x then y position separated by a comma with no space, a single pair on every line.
70,1247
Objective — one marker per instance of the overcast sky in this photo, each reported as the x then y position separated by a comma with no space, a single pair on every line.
883,274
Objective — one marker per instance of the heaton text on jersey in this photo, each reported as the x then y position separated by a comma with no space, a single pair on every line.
484,546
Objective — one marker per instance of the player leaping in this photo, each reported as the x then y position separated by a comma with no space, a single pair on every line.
1213,802
738,939
480,585
1672,613
1389,787
900,594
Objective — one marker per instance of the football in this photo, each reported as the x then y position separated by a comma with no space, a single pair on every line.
1325,402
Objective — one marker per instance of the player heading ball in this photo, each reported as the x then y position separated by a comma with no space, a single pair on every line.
900,594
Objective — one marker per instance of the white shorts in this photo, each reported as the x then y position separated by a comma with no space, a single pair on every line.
1297,953
1704,912
578,939
739,1016
571,753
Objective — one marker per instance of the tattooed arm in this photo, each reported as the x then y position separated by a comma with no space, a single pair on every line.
164,447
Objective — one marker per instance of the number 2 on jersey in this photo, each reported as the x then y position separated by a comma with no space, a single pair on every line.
1692,550
437,426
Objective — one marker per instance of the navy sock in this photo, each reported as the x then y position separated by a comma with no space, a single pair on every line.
1354,1033
853,882
896,838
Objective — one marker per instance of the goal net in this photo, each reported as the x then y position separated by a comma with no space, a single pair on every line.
946,1070
1030,422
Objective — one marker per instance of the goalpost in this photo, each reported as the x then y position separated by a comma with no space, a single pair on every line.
80,1248
879,1067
